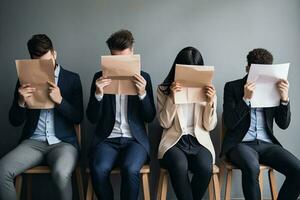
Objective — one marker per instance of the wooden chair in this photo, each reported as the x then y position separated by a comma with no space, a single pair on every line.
46,170
229,167
213,188
145,171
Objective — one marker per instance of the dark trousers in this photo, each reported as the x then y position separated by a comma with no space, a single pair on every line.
126,153
188,155
248,155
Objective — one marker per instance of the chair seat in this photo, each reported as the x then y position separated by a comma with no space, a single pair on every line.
215,170
230,166
38,170
144,170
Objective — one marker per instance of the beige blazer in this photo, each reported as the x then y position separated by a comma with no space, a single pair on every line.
170,117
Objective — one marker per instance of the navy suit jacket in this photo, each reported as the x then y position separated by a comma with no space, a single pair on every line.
68,113
236,115
102,113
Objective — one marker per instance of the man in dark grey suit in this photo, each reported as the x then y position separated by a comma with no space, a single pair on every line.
249,139
48,134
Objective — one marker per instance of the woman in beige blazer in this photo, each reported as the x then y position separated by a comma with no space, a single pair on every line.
186,144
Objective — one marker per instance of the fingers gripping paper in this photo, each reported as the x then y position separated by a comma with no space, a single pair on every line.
192,78
37,72
121,69
266,77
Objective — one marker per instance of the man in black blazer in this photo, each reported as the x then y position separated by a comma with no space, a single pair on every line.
120,135
48,134
249,139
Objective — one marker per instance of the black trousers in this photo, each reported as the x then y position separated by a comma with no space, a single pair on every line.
248,155
188,155
126,153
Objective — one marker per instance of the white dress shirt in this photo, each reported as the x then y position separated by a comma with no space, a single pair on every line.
188,122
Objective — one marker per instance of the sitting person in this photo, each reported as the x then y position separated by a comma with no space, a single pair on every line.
249,139
186,143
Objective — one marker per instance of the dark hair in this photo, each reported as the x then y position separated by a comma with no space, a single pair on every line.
120,40
259,56
187,56
38,45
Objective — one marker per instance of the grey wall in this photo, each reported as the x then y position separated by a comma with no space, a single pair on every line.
224,31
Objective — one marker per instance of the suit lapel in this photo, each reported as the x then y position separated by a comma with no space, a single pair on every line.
241,87
60,82
180,115
113,103
129,105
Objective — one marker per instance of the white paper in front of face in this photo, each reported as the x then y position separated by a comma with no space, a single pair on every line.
266,77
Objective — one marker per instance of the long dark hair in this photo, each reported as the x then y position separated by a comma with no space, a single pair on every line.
187,56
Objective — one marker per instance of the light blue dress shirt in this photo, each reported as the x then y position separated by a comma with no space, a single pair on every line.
45,130
258,126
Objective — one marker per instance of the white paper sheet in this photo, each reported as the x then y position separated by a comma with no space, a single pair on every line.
266,77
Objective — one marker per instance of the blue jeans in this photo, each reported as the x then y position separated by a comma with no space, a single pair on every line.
126,153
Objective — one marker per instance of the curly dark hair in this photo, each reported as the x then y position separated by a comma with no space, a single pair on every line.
120,40
259,56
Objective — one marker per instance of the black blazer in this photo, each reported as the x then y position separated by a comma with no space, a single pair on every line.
139,112
236,115
68,113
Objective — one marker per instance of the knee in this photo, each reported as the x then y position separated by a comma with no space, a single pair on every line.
61,174
100,172
204,169
295,173
178,166
131,170
251,170
5,172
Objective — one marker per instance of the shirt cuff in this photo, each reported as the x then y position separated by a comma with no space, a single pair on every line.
21,105
142,96
98,96
247,101
285,103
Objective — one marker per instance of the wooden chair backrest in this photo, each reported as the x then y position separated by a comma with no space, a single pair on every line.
223,129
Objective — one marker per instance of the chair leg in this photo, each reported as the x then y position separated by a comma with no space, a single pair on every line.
94,196
90,191
222,174
228,184
159,186
18,185
272,182
146,189
217,192
261,183
211,189
162,186
29,186
79,182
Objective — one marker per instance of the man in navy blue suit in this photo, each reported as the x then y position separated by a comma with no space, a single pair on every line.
120,136
48,134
